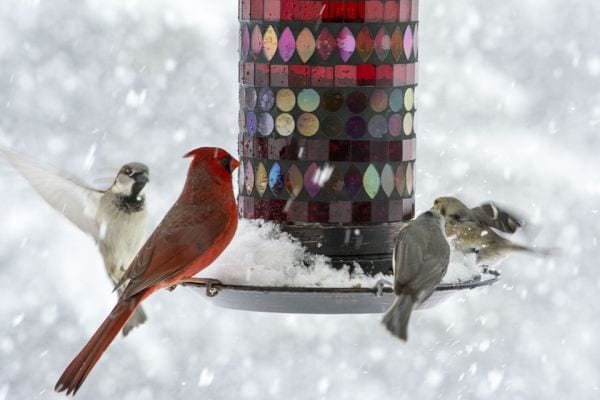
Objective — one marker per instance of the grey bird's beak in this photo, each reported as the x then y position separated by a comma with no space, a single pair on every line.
141,177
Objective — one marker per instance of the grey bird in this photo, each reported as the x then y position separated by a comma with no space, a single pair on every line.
474,230
116,218
421,258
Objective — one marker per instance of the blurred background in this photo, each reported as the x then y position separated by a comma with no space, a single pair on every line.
508,109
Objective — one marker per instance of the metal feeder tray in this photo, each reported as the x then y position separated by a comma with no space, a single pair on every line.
315,300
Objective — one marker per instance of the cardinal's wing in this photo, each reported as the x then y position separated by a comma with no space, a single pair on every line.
186,234
74,200
489,214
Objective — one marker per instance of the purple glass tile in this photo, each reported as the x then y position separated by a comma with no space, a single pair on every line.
311,180
395,125
356,127
265,124
353,181
377,126
287,44
245,45
408,42
266,99
400,180
379,211
395,150
251,123
256,41
408,149
346,44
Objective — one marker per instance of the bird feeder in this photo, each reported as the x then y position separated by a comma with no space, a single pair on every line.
327,138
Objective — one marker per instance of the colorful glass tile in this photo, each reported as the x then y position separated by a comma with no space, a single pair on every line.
346,43
256,9
400,75
405,10
250,97
377,126
308,100
287,9
305,45
249,178
261,74
360,150
245,44
400,179
307,124
317,150
241,120
373,10
284,124
396,99
251,123
285,100
361,211
416,41
261,147
318,211
353,181
378,100
384,75
269,43
379,150
409,99
272,10
395,125
325,44
395,150
332,126
299,76
340,212
357,101
256,41
276,181
294,181
387,180
335,184
277,148
356,127
410,179
397,44
244,10
266,99
321,76
382,44
312,180
261,179
407,125
371,181
345,75
339,150
332,100
279,75
364,43
287,44
365,74
408,149
408,42
265,124
390,11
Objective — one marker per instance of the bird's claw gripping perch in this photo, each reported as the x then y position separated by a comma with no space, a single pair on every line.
380,285
212,285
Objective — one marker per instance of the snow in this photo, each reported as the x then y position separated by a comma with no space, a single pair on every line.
508,109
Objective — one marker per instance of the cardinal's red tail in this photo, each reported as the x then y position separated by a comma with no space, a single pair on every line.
81,366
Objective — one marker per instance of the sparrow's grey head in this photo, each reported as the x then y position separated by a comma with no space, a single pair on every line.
131,180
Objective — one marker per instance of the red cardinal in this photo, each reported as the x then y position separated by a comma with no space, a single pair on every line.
191,236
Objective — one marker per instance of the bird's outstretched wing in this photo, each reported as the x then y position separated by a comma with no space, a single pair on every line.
74,200
489,214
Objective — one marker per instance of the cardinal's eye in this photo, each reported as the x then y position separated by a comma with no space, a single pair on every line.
226,163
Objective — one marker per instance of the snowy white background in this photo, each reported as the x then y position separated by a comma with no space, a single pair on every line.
509,108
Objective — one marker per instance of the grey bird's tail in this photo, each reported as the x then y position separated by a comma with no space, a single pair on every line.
396,318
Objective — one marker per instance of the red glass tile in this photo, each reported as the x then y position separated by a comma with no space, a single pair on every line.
317,150
340,211
373,10
404,10
287,9
360,11
261,74
261,208
299,76
247,146
414,12
245,10
328,10
400,75
276,210
297,211
247,207
272,10
261,147
321,76
248,78
379,211
295,149
395,151
318,212
276,147
279,75
360,150
395,211
379,151
384,75
411,74
390,10
339,11
256,9
365,75
345,75
309,10
361,211
339,150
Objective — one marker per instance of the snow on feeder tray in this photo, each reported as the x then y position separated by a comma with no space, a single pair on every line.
327,141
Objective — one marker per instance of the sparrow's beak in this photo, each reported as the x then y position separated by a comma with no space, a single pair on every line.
233,164
141,177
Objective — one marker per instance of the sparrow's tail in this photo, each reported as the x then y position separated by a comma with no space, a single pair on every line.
539,251
396,318
73,377
138,318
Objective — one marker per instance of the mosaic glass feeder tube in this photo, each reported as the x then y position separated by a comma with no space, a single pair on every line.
327,138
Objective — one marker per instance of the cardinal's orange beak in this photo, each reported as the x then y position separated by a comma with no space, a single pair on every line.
234,164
